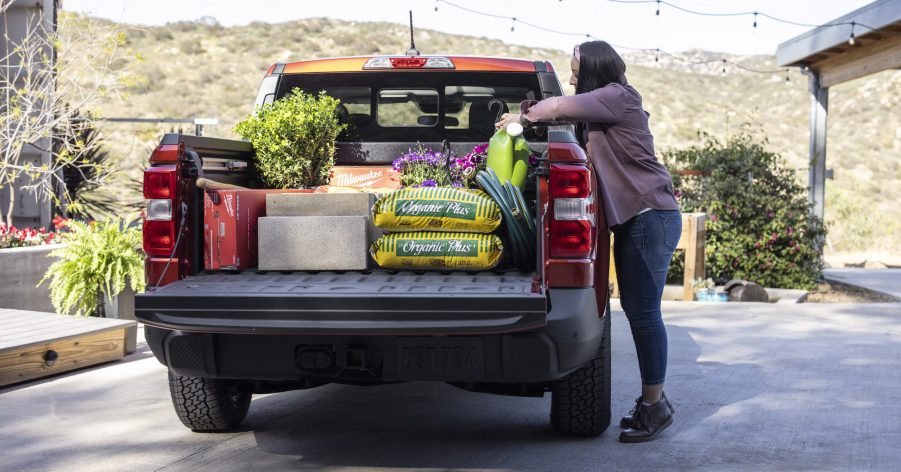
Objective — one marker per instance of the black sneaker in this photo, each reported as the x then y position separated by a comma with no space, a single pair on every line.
648,422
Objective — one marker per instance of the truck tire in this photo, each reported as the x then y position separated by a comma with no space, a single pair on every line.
580,402
207,404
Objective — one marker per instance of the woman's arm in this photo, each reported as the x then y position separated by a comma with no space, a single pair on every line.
603,105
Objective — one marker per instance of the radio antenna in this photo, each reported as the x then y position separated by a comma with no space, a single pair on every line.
412,51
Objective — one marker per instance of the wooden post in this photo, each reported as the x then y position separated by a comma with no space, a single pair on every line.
693,241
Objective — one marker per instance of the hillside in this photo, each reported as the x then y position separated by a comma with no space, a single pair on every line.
205,70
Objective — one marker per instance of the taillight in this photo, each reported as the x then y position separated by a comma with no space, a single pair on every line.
159,238
571,230
165,154
159,225
159,182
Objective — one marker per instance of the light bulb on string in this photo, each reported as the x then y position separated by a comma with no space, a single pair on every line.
724,67
657,55
851,38
658,8
755,21
513,25
787,77
436,5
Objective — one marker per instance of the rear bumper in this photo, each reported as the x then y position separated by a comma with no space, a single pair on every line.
570,337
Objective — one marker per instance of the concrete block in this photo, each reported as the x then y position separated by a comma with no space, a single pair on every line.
313,243
319,204
324,204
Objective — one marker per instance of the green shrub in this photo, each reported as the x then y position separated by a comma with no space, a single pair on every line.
759,226
294,139
99,258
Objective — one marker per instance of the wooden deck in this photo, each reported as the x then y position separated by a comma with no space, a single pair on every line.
35,344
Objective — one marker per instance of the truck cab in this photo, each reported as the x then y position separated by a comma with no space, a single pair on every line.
225,336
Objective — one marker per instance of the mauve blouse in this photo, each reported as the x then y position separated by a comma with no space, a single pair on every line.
620,147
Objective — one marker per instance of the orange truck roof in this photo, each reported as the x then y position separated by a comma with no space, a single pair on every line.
461,63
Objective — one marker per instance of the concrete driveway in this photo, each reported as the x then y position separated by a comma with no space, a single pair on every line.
756,387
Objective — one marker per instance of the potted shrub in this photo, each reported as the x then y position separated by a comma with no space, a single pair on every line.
294,139
98,260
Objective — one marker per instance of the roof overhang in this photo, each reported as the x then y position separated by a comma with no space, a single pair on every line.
826,41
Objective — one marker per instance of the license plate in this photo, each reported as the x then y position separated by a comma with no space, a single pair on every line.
440,358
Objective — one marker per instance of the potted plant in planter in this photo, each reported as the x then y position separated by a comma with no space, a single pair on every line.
99,261
294,139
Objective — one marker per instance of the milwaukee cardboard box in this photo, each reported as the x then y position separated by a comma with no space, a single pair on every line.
230,220
365,176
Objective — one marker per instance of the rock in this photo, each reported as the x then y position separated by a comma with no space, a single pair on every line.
746,291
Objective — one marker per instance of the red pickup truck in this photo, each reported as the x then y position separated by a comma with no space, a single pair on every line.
225,336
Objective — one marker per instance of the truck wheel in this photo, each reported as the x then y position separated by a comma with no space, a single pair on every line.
580,402
207,404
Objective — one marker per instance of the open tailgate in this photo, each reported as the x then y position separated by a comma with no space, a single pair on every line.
347,303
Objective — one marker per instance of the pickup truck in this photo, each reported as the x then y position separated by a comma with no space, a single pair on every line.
225,336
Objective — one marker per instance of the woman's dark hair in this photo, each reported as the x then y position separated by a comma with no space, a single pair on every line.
599,65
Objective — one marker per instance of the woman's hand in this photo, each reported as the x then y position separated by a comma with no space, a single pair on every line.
508,118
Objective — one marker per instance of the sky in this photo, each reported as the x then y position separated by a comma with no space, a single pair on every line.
628,25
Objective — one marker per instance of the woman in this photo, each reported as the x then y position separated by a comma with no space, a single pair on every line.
641,209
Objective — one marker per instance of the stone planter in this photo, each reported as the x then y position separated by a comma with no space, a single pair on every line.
122,307
21,269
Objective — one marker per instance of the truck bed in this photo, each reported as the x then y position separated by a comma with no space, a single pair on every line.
375,302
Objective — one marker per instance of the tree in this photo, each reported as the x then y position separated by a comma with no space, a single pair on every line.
39,87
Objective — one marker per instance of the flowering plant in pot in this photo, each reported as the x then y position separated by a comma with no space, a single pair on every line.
294,139
465,169
98,260
424,167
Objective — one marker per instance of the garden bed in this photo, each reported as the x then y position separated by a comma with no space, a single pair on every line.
23,268
836,292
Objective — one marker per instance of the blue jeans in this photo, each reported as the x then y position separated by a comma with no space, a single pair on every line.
642,250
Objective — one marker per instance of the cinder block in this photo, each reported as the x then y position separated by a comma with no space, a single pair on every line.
313,243
324,204
319,204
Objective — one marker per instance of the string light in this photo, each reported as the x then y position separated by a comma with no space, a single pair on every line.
436,5
588,36
787,78
755,20
743,13
851,38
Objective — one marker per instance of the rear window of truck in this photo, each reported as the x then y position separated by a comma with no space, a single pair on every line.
418,106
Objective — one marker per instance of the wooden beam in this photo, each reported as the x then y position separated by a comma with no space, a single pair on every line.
861,61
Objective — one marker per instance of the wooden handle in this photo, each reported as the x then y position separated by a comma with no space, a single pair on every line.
214,185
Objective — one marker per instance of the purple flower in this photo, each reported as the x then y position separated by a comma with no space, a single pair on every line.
456,184
429,183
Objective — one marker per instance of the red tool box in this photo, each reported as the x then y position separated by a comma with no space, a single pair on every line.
230,227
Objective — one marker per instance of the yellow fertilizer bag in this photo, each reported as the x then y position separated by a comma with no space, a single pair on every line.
426,250
437,209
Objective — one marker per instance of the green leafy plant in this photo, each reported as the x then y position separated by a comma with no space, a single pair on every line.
97,261
294,139
759,226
